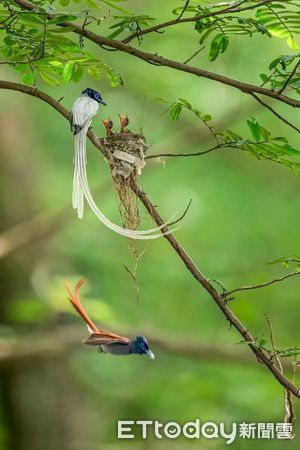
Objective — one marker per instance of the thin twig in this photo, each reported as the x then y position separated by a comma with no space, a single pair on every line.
13,63
185,155
194,54
258,286
182,215
275,112
228,10
275,352
136,284
183,10
289,77
288,404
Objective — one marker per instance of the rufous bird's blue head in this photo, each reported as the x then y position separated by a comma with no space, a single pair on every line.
94,95
141,346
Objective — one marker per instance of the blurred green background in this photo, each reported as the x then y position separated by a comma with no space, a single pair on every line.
55,393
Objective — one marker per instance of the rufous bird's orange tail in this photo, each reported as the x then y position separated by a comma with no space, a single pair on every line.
75,300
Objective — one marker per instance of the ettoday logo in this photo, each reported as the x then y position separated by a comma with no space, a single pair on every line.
135,429
130,429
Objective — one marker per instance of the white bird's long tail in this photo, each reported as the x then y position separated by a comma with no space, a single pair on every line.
77,194
81,190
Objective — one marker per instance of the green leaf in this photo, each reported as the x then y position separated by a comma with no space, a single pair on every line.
162,100
264,77
261,342
28,78
289,150
265,133
63,29
234,136
22,67
31,18
68,72
63,18
278,260
224,43
114,78
115,33
280,138
94,72
274,63
215,47
290,352
185,103
218,45
77,75
55,63
205,35
49,79
254,128
175,111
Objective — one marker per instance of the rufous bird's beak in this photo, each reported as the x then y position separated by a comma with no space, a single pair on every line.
150,354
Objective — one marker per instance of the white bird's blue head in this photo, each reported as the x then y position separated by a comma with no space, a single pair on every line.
94,95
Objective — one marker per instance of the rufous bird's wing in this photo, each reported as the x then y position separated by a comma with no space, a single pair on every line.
94,331
105,339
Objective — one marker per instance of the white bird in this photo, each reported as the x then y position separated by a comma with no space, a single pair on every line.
84,109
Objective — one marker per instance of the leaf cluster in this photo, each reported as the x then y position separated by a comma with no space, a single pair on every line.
284,73
35,46
261,143
287,261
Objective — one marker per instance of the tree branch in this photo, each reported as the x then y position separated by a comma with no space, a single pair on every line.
202,153
275,112
155,59
228,10
258,286
206,284
34,92
190,265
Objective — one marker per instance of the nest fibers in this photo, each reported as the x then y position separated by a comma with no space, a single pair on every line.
126,157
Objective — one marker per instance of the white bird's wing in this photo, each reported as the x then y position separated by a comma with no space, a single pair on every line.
83,111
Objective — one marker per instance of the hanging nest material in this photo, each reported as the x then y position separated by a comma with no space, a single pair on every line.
126,158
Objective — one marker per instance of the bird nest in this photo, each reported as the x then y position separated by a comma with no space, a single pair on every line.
126,154
126,157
